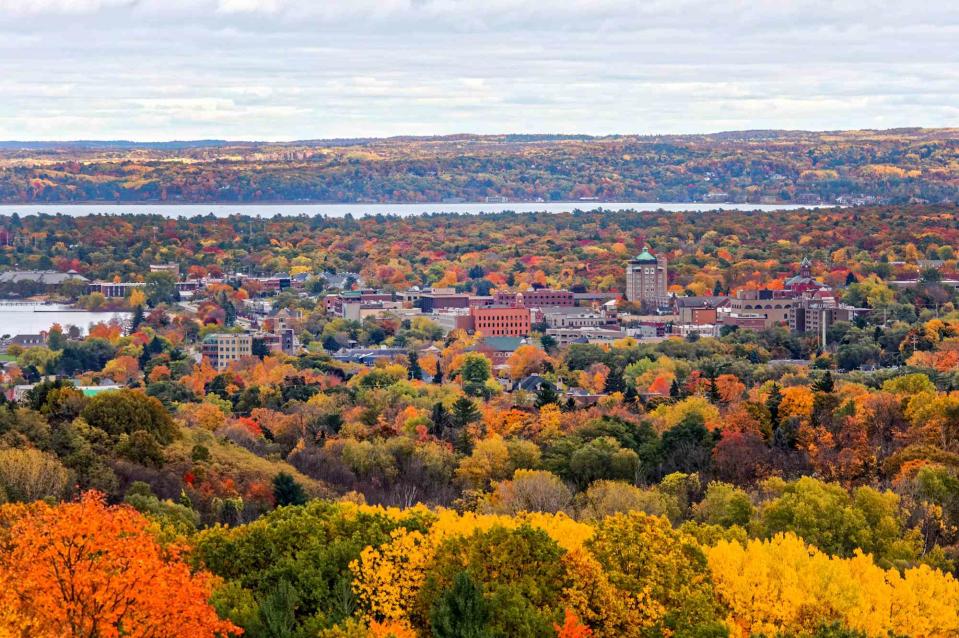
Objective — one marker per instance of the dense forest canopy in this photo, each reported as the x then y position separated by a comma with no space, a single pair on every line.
895,166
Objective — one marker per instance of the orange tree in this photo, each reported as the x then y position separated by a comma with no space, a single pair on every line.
85,569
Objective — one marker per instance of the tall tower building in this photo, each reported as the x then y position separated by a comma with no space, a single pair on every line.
646,279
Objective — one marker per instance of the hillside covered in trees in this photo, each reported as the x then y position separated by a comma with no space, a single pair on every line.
755,484
894,166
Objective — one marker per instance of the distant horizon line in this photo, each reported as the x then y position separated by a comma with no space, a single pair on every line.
454,136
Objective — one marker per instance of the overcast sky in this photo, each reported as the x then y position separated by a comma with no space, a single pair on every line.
298,69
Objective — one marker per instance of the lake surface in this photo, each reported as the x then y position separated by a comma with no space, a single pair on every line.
31,318
362,210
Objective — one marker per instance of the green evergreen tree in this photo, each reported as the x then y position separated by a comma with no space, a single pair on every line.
825,383
549,343
137,317
464,413
230,311
287,491
674,390
772,404
278,611
414,369
440,418
461,612
259,348
836,630
711,376
546,394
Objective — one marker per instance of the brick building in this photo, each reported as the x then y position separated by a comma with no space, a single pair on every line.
501,321
698,311
535,298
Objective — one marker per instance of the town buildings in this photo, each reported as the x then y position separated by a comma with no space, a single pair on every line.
566,336
772,305
814,313
368,356
739,320
334,303
452,320
501,321
270,285
646,280
359,310
498,349
112,290
804,304
221,349
698,310
565,317
43,278
173,268
535,298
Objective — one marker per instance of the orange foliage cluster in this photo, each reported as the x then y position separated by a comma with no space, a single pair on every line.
85,569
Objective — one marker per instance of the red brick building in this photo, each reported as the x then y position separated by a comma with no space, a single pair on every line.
501,321
535,298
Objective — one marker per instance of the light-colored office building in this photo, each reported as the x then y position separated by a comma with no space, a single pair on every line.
221,349
646,280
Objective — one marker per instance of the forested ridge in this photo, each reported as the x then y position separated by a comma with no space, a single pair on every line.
895,166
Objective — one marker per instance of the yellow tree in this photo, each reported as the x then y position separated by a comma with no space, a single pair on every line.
137,298
783,585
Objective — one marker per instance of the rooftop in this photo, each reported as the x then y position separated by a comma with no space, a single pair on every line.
503,344
645,256
39,276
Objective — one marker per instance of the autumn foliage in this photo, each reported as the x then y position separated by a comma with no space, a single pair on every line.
86,569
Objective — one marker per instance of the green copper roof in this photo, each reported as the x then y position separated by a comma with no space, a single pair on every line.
645,255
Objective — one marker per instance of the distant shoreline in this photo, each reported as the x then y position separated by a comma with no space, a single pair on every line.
304,202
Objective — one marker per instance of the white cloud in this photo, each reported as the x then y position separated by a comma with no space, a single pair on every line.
248,6
35,7
287,69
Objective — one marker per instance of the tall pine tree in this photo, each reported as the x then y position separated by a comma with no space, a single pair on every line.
546,394
414,369
461,612
287,491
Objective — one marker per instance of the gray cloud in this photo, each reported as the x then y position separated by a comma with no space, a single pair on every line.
289,69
